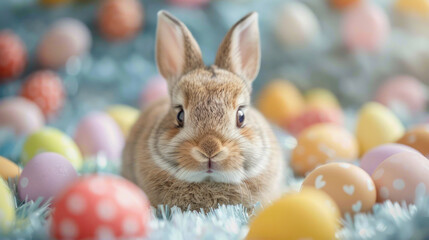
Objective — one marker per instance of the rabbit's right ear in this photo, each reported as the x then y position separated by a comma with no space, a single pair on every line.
177,52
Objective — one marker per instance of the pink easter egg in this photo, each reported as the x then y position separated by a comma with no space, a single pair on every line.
98,133
189,3
405,91
365,26
20,115
45,176
101,207
66,38
314,116
402,177
155,89
377,155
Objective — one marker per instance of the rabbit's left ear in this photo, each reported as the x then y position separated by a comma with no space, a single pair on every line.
240,51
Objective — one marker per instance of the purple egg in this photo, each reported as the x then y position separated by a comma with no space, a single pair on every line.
45,175
98,133
375,156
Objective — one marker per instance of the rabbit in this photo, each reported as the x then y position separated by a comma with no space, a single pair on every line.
205,145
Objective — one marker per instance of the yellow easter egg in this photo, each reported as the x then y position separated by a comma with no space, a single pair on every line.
51,140
309,214
7,207
280,101
124,116
377,125
8,169
321,98
322,143
420,7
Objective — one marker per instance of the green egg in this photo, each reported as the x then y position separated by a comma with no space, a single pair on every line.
51,140
7,207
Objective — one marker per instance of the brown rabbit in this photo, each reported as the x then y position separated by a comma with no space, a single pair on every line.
205,145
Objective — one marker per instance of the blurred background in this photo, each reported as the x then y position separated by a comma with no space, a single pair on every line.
85,55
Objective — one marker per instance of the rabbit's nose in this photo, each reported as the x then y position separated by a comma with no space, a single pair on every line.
210,146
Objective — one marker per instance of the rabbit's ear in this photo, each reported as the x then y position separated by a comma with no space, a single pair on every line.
177,52
240,51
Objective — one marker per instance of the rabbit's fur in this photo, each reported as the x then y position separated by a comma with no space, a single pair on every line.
169,161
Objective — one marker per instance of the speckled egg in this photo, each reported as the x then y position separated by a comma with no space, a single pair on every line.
296,25
309,214
51,140
321,98
377,125
190,3
348,185
402,177
124,116
44,88
8,169
280,101
155,89
365,27
97,133
120,20
314,116
101,207
403,92
370,161
45,176
7,207
323,143
342,4
66,38
417,138
13,56
21,115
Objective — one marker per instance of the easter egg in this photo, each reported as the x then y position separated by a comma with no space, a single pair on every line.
403,92
402,177
66,38
280,101
349,186
7,207
320,144
124,116
365,27
314,116
309,214
120,20
377,125
296,25
417,138
370,161
46,90
189,3
45,176
155,89
51,140
8,169
341,4
97,133
13,56
420,7
101,207
321,98
21,115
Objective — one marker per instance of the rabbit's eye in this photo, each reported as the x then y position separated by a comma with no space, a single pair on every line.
240,118
181,118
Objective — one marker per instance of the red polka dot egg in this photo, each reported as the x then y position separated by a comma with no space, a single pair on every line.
120,19
101,207
13,56
46,90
